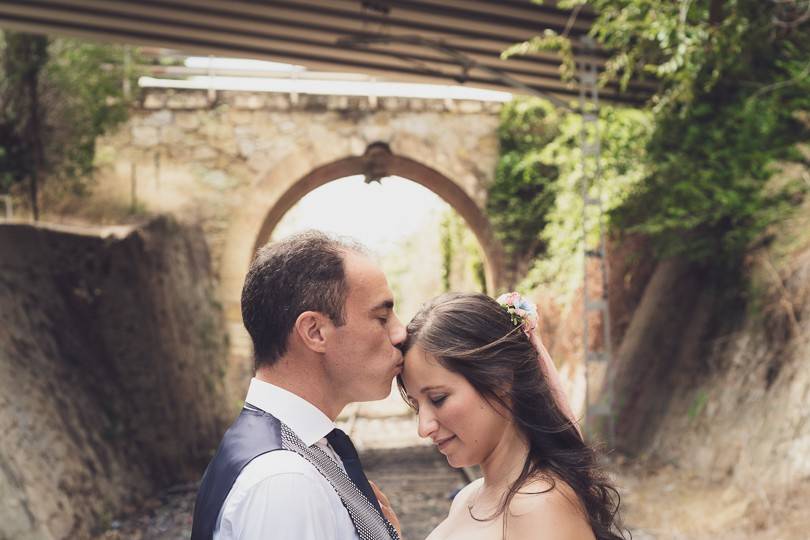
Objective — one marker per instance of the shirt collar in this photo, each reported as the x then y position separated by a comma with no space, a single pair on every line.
305,419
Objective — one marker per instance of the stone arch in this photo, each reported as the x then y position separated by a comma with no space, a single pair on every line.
377,162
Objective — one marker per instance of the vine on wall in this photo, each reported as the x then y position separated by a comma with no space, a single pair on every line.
697,165
538,185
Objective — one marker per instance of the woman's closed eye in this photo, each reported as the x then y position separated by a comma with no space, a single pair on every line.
438,400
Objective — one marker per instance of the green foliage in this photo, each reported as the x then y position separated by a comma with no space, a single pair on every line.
447,252
462,259
624,133
551,42
732,83
523,192
79,97
708,197
23,58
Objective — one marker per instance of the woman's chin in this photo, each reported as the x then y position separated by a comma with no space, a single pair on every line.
457,462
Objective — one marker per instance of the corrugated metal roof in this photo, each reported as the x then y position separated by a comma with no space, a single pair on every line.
436,41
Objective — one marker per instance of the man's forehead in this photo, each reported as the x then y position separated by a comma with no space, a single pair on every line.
364,276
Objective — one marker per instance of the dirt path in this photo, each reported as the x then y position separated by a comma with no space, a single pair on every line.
663,502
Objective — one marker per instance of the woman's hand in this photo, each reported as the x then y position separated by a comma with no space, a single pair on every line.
385,505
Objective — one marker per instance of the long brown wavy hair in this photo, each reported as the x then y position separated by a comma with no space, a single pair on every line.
472,335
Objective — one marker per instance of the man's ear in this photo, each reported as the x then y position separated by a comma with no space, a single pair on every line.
310,327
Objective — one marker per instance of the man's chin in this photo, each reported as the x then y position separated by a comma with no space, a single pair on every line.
382,393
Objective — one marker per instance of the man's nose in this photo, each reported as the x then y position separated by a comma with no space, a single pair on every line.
427,424
398,332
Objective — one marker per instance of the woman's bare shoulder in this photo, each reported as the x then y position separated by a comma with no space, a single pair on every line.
543,509
462,498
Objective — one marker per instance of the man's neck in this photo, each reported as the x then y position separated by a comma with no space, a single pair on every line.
306,385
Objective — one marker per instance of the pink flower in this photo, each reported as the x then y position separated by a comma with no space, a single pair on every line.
522,311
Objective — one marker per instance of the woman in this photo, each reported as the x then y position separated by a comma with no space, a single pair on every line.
486,394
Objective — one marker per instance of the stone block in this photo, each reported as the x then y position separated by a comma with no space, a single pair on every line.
337,103
144,136
278,101
245,141
171,135
159,118
260,162
416,104
240,116
154,101
313,102
390,103
203,153
188,100
216,179
249,101
187,120
469,106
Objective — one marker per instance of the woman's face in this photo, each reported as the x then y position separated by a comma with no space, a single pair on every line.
464,426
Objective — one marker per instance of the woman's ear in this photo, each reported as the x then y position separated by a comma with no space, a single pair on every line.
310,327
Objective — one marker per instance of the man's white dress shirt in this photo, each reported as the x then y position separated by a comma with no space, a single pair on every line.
280,495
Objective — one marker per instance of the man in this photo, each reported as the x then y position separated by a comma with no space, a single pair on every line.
320,314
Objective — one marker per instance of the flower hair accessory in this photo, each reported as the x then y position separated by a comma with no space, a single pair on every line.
522,311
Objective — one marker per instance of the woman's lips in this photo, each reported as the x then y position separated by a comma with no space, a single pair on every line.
442,443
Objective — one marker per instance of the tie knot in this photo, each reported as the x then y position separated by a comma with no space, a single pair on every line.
342,444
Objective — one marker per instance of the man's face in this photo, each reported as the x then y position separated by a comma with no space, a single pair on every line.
362,355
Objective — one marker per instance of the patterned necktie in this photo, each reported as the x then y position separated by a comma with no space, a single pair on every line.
342,445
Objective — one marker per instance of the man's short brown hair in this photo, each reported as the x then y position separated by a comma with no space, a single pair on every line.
304,272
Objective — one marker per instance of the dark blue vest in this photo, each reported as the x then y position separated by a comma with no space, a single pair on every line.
252,434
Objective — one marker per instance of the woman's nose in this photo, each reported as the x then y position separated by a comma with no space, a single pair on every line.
427,424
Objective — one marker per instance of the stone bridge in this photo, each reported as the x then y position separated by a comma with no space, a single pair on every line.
236,163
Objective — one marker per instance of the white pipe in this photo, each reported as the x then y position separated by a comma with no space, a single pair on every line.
327,87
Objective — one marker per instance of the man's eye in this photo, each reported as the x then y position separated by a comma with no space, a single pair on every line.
383,320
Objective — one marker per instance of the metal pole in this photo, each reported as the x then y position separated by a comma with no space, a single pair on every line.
133,178
9,204
599,417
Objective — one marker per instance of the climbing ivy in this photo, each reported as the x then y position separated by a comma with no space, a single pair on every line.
462,258
523,192
732,94
624,133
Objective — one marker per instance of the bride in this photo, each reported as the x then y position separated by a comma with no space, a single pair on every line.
487,394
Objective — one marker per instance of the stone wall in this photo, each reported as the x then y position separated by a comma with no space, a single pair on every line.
721,393
746,416
112,354
210,160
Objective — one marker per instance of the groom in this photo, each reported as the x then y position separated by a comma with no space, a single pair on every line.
320,314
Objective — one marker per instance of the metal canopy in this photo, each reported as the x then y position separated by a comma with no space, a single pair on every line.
437,41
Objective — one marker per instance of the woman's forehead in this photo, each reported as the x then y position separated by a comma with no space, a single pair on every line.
422,367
